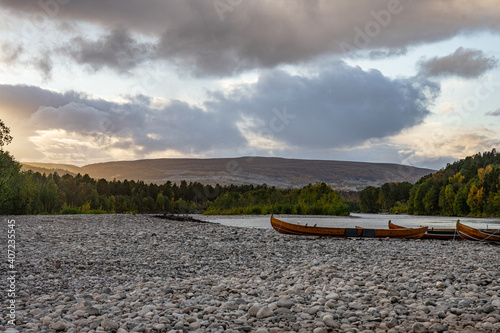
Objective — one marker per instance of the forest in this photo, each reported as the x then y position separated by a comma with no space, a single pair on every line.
26,192
35,193
469,187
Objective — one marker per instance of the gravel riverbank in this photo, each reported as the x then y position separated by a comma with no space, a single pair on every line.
136,273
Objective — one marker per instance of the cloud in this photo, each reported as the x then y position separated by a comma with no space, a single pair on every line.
495,113
386,53
203,39
341,106
45,66
23,100
175,125
438,146
466,63
72,117
10,53
116,50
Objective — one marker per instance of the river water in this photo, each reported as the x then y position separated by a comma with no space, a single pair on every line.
362,220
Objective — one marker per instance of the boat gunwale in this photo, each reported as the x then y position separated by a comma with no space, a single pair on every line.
471,233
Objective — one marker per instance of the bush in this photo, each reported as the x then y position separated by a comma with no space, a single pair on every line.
70,211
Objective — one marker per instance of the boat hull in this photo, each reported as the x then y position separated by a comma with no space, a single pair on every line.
470,233
442,234
305,230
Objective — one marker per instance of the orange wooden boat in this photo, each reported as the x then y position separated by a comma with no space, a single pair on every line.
443,234
305,230
466,232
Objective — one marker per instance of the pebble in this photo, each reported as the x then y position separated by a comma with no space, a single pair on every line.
264,313
419,328
136,273
254,310
328,321
285,303
58,326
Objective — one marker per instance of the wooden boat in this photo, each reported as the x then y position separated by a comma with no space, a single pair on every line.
432,233
445,233
466,232
299,229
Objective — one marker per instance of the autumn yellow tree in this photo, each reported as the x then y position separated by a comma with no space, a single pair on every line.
475,200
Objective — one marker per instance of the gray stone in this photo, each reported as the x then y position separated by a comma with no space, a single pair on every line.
280,311
264,312
419,328
58,326
261,330
160,327
93,311
333,296
285,303
253,310
109,324
488,308
194,326
328,321
11,330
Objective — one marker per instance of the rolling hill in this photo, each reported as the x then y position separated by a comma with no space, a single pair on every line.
279,172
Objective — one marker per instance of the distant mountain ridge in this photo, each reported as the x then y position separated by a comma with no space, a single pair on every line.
274,171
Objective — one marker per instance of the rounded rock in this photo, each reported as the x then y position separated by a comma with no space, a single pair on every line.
58,326
264,312
419,328
285,303
254,309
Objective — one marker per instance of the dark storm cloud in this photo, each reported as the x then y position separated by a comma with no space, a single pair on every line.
117,50
466,63
176,125
341,106
221,37
23,100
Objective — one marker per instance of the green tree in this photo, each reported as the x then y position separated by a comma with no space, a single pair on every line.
460,207
10,178
5,137
431,201
447,200
475,200
369,200
160,202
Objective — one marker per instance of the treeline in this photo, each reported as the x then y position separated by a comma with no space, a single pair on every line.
317,199
469,187
35,193
391,197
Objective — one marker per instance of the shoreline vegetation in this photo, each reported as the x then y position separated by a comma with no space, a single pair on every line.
469,187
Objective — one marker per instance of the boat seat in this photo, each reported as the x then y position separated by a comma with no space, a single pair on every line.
351,232
368,233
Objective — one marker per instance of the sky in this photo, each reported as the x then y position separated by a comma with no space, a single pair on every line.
389,81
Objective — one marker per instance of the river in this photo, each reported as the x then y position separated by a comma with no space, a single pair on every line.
362,220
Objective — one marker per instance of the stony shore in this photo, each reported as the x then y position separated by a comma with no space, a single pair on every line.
125,273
